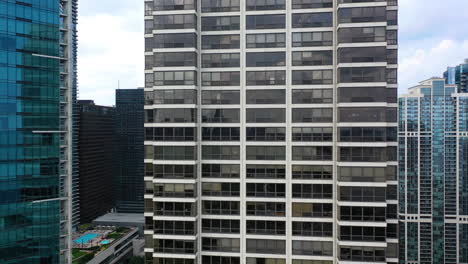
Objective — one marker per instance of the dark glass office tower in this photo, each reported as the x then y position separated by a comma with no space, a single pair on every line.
271,131
458,75
96,159
129,129
433,174
37,93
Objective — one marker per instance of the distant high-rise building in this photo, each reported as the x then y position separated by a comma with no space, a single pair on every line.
37,103
129,152
96,159
458,75
271,131
433,174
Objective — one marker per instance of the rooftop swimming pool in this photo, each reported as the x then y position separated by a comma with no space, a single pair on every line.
86,238
105,242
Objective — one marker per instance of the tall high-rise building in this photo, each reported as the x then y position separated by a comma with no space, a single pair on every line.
433,174
458,75
96,159
37,102
129,133
271,131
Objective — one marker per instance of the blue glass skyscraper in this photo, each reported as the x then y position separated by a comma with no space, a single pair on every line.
458,75
433,174
37,93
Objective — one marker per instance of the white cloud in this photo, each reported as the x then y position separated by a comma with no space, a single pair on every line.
429,61
110,50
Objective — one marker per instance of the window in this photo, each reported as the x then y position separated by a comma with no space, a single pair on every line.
261,115
225,97
312,248
312,210
175,78
312,77
220,60
266,209
221,42
361,34
218,260
312,96
312,191
361,233
392,37
308,20
175,209
311,134
266,227
175,152
362,254
312,39
392,76
266,77
171,133
362,74
309,172
171,59
367,54
367,94
265,5
266,133
266,171
175,22
265,59
312,115
171,115
174,246
220,171
266,96
220,5
220,23
178,190
312,153
316,229
178,96
221,244
179,40
303,4
220,78
312,58
175,171
362,214
367,134
266,21
220,152
363,154
266,246
220,134
266,153
392,56
362,14
266,40
160,5
367,114
220,115
362,194
174,228
392,18
265,261
220,226
266,190
226,189
220,207
305,261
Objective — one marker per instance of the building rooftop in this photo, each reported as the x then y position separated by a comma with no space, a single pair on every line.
120,217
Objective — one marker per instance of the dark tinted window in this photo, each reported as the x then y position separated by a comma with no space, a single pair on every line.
261,115
266,40
298,4
220,97
175,22
367,94
221,42
180,40
220,23
312,20
312,58
361,34
362,74
266,77
362,14
266,96
220,133
265,59
220,115
312,96
220,5
266,21
220,78
367,54
312,115
367,114
312,39
220,60
265,4
312,77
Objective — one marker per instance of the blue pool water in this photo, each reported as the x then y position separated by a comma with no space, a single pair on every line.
105,242
86,238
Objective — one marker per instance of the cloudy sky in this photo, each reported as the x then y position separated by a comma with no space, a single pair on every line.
433,35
